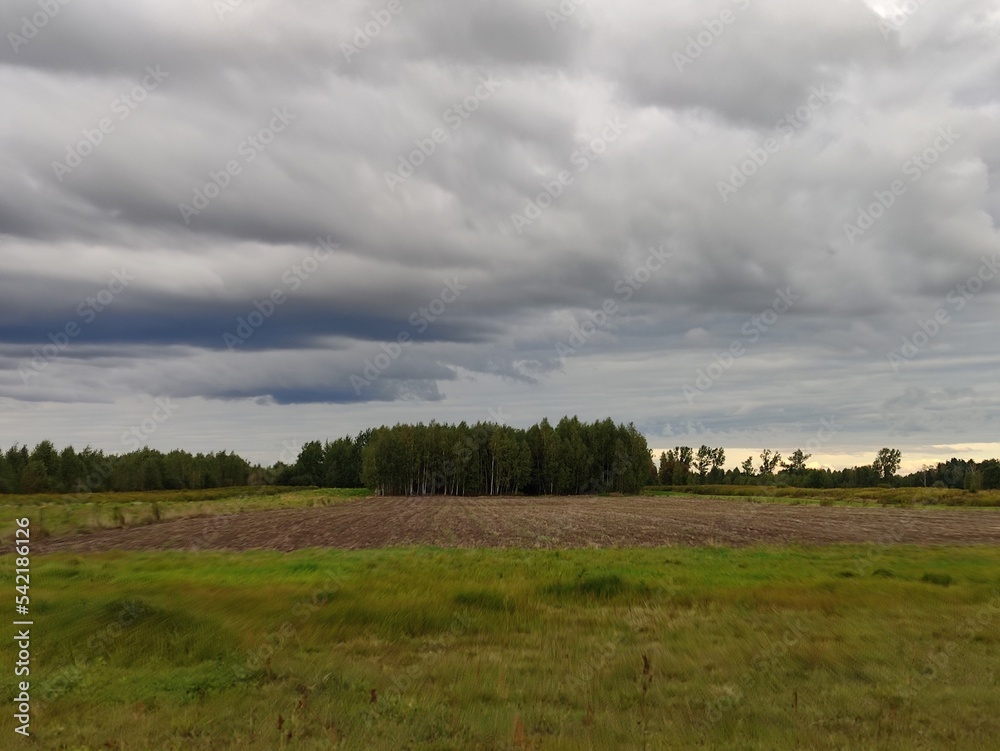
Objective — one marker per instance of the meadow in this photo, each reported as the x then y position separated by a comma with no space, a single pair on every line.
419,647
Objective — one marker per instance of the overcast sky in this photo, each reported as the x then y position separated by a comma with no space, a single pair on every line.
746,223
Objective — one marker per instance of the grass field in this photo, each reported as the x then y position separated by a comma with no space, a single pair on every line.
840,647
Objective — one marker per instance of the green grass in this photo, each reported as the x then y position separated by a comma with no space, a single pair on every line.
933,497
62,514
845,647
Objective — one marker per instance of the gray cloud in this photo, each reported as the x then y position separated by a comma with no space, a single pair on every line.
541,167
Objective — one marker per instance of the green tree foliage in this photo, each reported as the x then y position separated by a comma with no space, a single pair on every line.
990,473
668,468
46,470
544,446
492,459
12,465
571,458
887,463
309,465
70,467
676,464
46,454
796,463
768,462
34,478
703,461
682,458
718,457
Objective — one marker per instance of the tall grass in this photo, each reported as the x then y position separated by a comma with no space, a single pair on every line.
759,648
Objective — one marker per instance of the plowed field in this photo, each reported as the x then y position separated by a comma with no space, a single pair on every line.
564,522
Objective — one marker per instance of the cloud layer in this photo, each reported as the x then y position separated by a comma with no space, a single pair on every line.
724,221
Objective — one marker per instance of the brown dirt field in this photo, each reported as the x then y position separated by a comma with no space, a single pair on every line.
565,522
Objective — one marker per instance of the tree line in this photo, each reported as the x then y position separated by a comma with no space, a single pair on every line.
46,470
571,457
684,465
481,459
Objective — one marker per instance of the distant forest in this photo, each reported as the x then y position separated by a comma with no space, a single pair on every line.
480,459
686,466
569,458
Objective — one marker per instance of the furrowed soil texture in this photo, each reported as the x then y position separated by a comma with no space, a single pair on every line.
563,522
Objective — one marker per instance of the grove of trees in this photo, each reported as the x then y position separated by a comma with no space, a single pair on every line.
492,459
571,457
333,464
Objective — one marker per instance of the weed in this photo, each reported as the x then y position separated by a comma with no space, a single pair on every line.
942,580
645,681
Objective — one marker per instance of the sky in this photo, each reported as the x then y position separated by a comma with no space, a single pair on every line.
742,223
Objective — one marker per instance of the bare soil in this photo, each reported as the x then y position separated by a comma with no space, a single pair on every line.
563,522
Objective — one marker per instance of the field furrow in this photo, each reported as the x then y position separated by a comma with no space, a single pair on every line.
644,521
